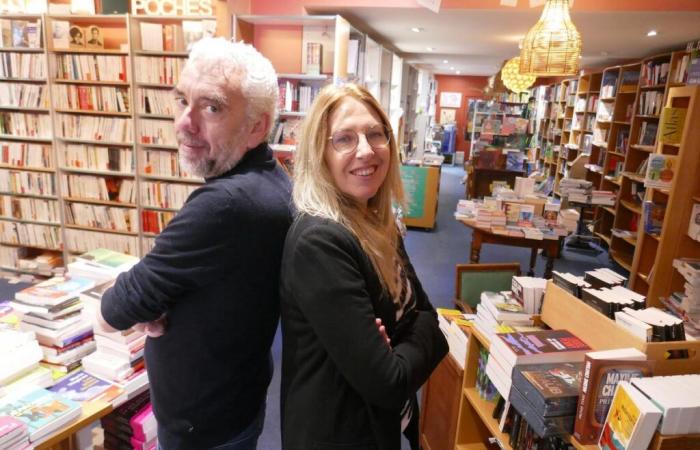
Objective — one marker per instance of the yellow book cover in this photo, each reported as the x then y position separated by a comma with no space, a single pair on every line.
672,122
622,419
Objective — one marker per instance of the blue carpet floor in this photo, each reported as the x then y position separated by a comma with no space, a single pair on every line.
434,255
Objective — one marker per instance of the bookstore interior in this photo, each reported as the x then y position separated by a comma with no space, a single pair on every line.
573,125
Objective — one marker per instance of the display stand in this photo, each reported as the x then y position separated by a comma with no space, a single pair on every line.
422,187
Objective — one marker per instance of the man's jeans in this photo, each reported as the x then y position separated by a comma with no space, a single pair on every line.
246,439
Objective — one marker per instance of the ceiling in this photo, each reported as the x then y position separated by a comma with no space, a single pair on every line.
477,41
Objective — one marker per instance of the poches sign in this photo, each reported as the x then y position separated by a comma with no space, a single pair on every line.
173,7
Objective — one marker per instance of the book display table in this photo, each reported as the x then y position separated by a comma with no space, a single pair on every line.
485,236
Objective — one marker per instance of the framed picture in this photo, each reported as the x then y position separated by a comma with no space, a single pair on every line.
77,37
447,115
94,37
450,99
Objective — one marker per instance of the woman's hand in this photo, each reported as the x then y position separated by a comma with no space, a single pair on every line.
382,331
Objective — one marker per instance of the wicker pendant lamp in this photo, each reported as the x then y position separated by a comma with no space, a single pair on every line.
513,79
552,47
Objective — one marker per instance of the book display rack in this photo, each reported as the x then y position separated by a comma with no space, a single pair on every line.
88,144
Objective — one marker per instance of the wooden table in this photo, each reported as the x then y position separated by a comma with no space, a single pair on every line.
62,438
485,236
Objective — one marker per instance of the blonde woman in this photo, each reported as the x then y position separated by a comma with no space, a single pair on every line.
359,334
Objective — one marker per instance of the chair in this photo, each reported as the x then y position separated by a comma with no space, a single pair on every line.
473,279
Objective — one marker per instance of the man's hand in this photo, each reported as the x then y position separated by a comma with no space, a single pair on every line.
153,329
382,331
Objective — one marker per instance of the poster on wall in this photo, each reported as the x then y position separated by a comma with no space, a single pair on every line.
450,99
447,115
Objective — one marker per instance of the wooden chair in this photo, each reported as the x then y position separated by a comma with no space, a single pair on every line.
473,279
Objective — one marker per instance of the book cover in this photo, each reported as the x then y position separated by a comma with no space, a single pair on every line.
551,389
631,421
600,377
653,217
42,411
80,386
661,170
672,123
542,426
545,346
54,290
109,259
313,58
694,224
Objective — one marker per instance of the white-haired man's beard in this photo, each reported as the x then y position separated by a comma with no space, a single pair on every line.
225,158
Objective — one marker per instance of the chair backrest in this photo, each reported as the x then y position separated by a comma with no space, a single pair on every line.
473,279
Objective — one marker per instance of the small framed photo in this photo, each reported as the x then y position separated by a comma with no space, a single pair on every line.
77,37
450,99
94,38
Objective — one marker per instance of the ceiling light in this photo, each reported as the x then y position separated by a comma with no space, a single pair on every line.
652,33
417,29
553,44
513,79
444,61
430,49
452,68
458,72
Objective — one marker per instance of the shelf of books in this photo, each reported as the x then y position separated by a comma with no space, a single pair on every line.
30,217
666,233
555,392
89,156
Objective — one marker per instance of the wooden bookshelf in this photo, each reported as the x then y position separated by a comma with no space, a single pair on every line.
654,255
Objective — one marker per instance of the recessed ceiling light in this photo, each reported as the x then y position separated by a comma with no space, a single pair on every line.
452,68
652,33
417,29
444,61
430,49
458,72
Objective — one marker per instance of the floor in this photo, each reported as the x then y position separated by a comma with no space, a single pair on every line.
434,255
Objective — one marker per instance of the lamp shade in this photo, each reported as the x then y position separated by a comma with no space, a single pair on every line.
553,45
513,79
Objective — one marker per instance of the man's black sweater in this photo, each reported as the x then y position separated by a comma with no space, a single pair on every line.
214,272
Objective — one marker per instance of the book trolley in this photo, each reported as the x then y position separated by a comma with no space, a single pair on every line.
561,310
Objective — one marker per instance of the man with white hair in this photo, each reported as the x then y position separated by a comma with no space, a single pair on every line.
208,289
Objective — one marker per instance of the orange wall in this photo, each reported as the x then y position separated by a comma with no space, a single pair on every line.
281,44
470,87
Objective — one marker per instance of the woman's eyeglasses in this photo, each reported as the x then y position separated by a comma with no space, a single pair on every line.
346,141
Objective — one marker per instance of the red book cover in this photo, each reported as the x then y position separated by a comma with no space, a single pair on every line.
543,346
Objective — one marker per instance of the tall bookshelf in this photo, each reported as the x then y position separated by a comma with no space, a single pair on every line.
88,141
652,272
30,215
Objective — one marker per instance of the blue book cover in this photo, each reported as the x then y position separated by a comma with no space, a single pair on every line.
80,387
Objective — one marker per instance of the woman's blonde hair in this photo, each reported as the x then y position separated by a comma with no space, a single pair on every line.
316,194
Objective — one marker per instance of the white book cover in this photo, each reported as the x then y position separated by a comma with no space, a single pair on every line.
631,420
60,36
151,36
694,224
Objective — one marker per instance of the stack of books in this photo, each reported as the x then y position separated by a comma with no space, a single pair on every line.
602,371
670,394
118,432
43,412
499,313
119,356
508,350
686,304
14,434
605,198
568,218
80,386
631,420
572,284
545,395
454,324
612,300
576,190
52,310
652,324
20,354
603,277
101,265
528,292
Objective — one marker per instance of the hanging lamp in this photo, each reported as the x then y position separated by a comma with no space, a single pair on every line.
552,47
513,79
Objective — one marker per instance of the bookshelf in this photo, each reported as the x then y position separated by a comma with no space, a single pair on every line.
560,310
652,271
30,214
90,141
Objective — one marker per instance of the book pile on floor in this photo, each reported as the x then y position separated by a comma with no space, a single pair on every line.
14,434
42,411
131,425
52,310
